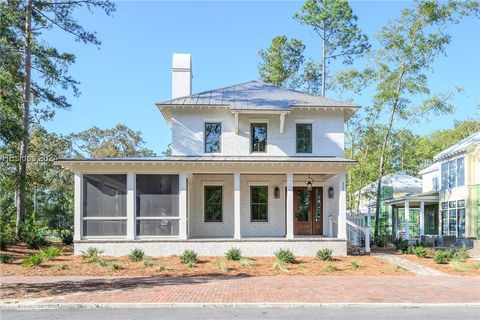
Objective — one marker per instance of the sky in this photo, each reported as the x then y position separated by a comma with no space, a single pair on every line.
123,79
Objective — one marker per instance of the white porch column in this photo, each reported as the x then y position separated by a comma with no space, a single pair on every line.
422,218
369,216
182,205
407,220
78,201
342,208
236,205
130,205
289,205
390,221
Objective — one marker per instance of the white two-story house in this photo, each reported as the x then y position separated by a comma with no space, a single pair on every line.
252,166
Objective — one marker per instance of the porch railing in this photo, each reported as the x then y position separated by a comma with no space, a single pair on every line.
354,232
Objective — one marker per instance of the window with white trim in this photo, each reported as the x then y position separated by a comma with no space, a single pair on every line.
104,205
453,218
157,211
453,173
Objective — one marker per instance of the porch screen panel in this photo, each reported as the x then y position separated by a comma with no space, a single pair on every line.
104,204
157,211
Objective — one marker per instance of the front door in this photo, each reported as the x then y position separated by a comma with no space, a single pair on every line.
308,211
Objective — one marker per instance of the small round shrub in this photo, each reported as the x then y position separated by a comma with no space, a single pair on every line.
324,254
285,256
50,253
442,256
31,234
189,257
136,255
233,254
420,252
91,255
32,260
331,267
67,236
401,245
461,254
6,258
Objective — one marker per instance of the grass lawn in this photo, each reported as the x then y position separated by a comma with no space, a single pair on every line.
68,264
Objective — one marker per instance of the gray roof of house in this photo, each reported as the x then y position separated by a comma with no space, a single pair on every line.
257,95
400,181
460,146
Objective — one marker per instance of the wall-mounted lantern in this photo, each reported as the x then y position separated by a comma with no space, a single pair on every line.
276,193
309,183
331,193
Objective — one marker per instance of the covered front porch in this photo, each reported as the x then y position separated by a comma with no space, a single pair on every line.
165,206
413,217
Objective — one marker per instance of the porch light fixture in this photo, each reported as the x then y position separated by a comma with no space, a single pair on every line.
331,194
309,183
276,193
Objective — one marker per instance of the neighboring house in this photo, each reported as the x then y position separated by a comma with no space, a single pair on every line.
449,204
394,185
252,166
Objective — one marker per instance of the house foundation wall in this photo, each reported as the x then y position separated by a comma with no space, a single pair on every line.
214,247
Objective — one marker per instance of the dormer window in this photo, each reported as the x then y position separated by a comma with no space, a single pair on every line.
259,137
213,136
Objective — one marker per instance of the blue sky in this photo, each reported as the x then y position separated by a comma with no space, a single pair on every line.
121,81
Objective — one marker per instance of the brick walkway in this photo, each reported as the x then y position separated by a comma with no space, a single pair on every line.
271,289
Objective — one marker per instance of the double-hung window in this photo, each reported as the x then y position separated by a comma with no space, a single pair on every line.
259,203
104,205
157,211
213,137
259,137
453,173
213,203
304,138
453,218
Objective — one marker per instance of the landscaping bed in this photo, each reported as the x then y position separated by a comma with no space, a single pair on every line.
453,267
66,264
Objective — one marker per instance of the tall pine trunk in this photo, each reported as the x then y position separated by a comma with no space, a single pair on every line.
20,201
324,59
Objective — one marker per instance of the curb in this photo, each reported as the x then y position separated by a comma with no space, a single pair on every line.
26,306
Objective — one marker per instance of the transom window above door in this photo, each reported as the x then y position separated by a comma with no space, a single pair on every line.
259,137
304,138
213,137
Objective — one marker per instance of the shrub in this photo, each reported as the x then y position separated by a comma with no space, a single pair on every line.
221,265
285,256
7,229
31,234
420,251
67,236
162,267
6,258
442,256
50,253
32,260
247,262
114,265
461,254
354,264
148,262
401,245
101,262
91,255
136,254
324,254
331,267
61,266
233,254
189,257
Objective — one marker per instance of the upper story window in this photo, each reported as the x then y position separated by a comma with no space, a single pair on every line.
213,136
259,137
304,138
453,173
435,183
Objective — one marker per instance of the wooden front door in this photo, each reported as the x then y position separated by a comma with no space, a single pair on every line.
308,211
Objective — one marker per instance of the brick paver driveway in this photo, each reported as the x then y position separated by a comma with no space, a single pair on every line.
268,289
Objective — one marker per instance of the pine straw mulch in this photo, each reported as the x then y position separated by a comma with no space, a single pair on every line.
467,268
70,265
